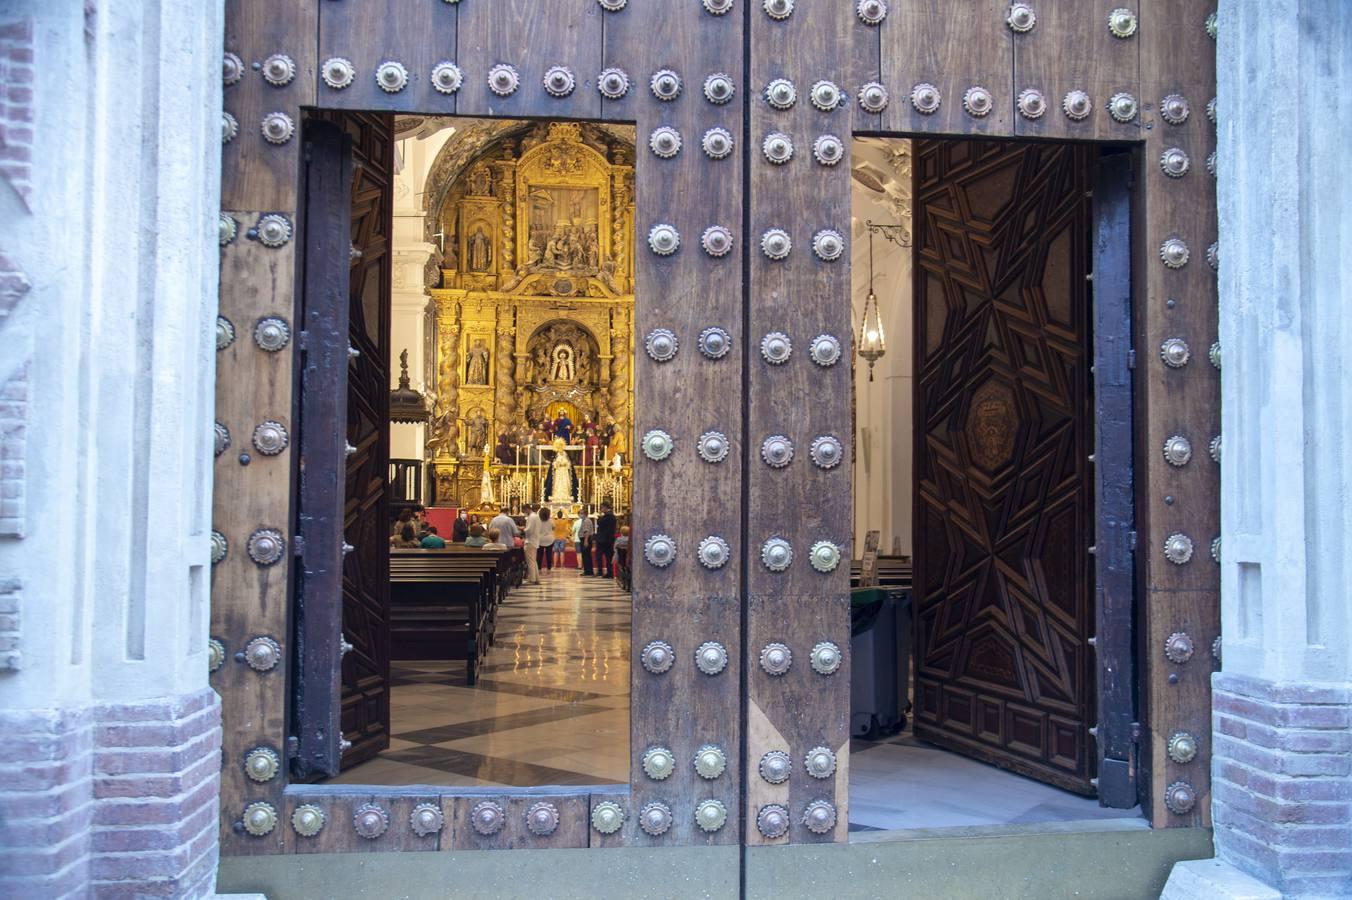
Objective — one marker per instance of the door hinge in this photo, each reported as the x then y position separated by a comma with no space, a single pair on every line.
1131,359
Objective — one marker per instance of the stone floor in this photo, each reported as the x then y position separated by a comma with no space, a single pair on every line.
552,708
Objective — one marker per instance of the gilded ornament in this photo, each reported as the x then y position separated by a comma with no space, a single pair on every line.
820,762
776,658
710,815
279,69
659,550
711,657
776,243
1177,450
773,821
714,552
871,12
1178,647
780,93
826,658
229,127
716,241
1174,162
337,72
266,546
665,84
825,350
776,554
826,451
828,244
717,7
1174,109
710,762
273,230
655,818
777,451
262,653
665,141
1077,105
926,98
308,819
215,654
1174,253
220,547
718,88
827,149
260,818
447,77
661,344
778,9
664,239
873,97
977,101
777,147
819,817
1032,104
488,817
826,95
658,763
657,657
824,556
542,818
370,820
1021,18
270,438
775,766
391,76
1182,747
503,79
1214,354
714,342
222,438
1215,449
1122,107
426,819
559,81
1175,353
228,229
712,446
232,68
1178,548
612,83
657,445
1180,798
261,764
1122,23
277,127
607,817
717,143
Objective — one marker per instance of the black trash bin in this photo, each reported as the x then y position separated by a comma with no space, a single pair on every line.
880,651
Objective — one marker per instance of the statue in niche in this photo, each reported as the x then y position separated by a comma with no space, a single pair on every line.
540,364
564,367
476,429
480,181
583,364
480,250
476,365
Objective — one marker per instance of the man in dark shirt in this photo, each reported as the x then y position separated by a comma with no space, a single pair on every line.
433,541
460,530
605,540
563,427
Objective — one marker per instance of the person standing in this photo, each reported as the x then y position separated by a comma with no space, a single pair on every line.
605,540
539,534
586,533
562,531
530,545
505,525
460,530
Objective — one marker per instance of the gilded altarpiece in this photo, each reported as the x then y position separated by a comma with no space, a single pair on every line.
534,315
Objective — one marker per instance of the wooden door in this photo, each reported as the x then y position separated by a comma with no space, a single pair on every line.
1004,510
366,578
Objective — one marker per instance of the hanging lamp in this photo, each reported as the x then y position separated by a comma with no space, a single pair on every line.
872,342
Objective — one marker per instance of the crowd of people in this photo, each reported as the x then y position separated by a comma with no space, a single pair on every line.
599,541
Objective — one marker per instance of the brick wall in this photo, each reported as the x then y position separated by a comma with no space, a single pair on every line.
115,801
1282,783
16,106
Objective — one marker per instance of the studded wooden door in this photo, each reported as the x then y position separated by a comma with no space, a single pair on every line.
1004,429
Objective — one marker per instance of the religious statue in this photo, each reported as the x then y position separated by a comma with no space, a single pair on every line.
476,366
480,181
476,430
584,364
563,368
561,473
479,250
563,427
486,497
540,362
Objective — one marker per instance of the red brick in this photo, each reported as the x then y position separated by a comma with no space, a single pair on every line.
158,786
155,812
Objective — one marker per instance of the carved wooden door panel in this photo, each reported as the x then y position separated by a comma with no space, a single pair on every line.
366,581
1004,510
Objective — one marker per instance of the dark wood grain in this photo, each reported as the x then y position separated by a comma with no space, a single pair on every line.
369,33
321,439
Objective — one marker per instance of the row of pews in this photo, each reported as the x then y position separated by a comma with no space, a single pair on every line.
891,571
444,603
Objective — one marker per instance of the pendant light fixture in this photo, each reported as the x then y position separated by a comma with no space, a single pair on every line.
872,342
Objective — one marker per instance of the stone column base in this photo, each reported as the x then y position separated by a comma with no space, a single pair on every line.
111,801
1211,879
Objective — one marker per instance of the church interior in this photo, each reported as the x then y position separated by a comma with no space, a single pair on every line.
511,311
